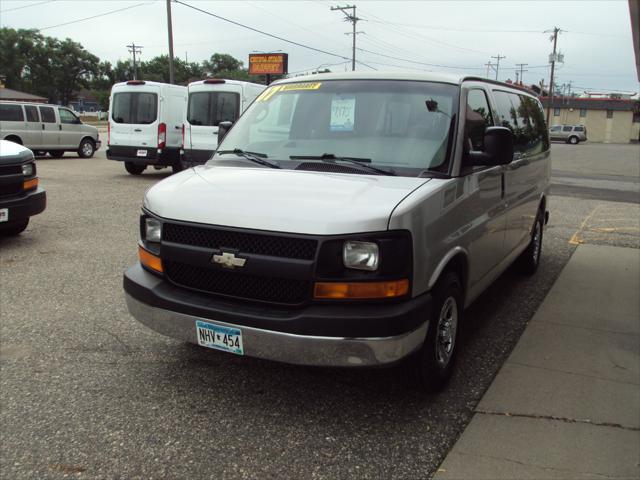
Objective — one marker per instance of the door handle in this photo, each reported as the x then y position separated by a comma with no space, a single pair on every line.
137,130
178,127
59,127
43,126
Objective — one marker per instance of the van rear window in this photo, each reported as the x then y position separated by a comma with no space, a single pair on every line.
11,113
135,107
211,108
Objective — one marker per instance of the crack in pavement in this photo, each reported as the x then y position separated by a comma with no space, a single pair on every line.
585,375
542,467
559,419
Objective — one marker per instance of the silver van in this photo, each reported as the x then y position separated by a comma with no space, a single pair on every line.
348,220
47,129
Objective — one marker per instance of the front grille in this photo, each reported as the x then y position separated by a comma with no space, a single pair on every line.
11,189
10,170
252,287
271,245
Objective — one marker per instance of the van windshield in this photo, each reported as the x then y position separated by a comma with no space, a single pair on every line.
402,126
211,108
135,107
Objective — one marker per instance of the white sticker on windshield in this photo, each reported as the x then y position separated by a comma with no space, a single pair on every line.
343,114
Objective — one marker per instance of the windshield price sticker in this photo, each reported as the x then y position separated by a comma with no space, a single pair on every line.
343,114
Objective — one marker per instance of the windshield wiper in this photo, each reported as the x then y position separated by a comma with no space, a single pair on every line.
253,156
331,158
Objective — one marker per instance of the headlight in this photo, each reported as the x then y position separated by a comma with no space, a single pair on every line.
360,255
27,169
153,230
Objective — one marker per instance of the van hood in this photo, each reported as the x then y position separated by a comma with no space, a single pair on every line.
316,203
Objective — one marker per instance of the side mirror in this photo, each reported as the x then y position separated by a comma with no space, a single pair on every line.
498,148
223,128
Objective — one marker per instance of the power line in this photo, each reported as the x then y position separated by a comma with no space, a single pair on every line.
26,6
353,19
261,31
498,58
419,63
97,16
434,27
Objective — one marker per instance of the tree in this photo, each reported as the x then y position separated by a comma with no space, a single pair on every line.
221,62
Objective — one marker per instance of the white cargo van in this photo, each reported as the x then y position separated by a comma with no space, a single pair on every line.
145,124
213,101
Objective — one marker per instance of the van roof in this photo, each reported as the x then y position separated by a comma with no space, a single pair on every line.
35,104
451,78
146,83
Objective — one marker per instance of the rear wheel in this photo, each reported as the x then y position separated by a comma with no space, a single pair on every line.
14,228
431,367
134,169
529,260
56,153
573,140
177,167
39,153
87,148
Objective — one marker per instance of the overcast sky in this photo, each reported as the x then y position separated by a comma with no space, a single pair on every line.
596,41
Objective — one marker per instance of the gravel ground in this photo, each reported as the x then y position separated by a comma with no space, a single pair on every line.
87,392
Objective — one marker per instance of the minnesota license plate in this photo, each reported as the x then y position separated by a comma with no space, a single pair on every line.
141,153
4,214
218,337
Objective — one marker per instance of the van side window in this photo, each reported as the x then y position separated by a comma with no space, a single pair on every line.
524,117
32,113
11,113
66,116
478,118
47,114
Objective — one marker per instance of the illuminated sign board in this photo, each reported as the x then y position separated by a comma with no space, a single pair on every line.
268,63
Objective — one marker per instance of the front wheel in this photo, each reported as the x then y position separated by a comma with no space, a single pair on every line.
15,228
134,169
529,260
86,148
431,367
573,140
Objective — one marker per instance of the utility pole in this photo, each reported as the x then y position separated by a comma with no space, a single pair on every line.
133,48
488,65
554,38
351,17
170,30
522,65
498,58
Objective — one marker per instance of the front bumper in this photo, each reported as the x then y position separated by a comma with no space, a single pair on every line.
321,335
24,206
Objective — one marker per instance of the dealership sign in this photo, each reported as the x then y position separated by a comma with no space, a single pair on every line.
268,63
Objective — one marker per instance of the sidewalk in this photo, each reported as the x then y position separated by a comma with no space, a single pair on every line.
566,404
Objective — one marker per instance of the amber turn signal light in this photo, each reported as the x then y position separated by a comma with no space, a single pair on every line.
30,184
149,260
361,290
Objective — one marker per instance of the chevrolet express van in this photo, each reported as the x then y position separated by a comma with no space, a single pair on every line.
145,125
210,102
47,129
348,220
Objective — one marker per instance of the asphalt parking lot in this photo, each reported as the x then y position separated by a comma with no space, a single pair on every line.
85,391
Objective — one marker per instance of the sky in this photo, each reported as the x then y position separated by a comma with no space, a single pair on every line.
450,36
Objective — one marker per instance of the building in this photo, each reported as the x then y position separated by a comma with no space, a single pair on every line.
84,102
607,120
7,94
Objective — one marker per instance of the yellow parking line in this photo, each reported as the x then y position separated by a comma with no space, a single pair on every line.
575,238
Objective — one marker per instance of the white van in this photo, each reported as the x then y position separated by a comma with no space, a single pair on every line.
213,101
145,124
46,128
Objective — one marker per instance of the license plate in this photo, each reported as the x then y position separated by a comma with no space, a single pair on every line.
141,153
4,214
218,337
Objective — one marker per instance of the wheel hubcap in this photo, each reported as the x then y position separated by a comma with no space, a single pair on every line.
537,242
447,327
87,149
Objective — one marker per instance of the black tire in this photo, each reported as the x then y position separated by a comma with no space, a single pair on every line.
56,153
177,167
573,140
87,148
14,228
431,367
529,260
14,140
39,153
133,168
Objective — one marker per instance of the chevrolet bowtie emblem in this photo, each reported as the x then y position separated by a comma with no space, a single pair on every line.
228,260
